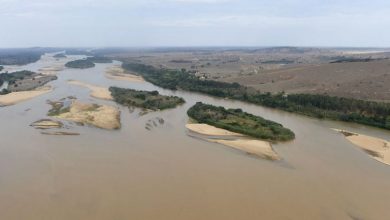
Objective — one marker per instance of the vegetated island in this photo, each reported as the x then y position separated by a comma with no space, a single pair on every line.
144,99
22,85
80,64
371,113
101,116
235,120
1,68
377,148
88,62
237,129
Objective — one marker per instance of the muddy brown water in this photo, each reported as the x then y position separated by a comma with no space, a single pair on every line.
164,173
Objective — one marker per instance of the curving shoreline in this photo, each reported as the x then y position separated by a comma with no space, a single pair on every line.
377,148
262,149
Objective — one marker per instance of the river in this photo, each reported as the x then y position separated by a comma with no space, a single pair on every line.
134,173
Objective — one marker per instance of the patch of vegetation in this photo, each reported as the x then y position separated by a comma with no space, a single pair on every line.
80,64
236,120
58,108
320,106
144,99
1,68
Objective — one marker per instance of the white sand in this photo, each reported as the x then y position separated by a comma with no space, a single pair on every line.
256,147
17,97
96,91
118,73
377,148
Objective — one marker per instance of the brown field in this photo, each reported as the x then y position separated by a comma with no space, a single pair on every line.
289,69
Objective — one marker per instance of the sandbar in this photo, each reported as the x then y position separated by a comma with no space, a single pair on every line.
17,97
96,91
377,148
260,148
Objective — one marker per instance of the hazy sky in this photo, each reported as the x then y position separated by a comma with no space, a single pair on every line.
194,23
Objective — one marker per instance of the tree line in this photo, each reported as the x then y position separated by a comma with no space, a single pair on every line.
314,105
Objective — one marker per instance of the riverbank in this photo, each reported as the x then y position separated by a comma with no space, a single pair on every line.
17,97
377,148
96,91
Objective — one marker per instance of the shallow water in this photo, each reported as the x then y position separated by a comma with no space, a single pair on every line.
164,173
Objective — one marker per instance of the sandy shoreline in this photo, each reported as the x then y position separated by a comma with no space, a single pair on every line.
241,142
17,97
377,148
118,73
96,91
206,129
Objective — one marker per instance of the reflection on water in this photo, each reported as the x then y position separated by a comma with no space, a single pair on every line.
163,173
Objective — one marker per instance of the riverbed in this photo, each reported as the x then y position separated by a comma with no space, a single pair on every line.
168,173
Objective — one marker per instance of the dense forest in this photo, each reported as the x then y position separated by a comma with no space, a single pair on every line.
144,99
236,120
321,106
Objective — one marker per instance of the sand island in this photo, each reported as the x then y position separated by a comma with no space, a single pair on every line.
101,116
377,148
237,129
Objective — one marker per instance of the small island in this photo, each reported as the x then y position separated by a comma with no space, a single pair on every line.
235,120
1,68
80,64
144,99
87,62
100,116
237,129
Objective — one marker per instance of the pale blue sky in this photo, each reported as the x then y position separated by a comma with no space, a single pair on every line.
104,23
